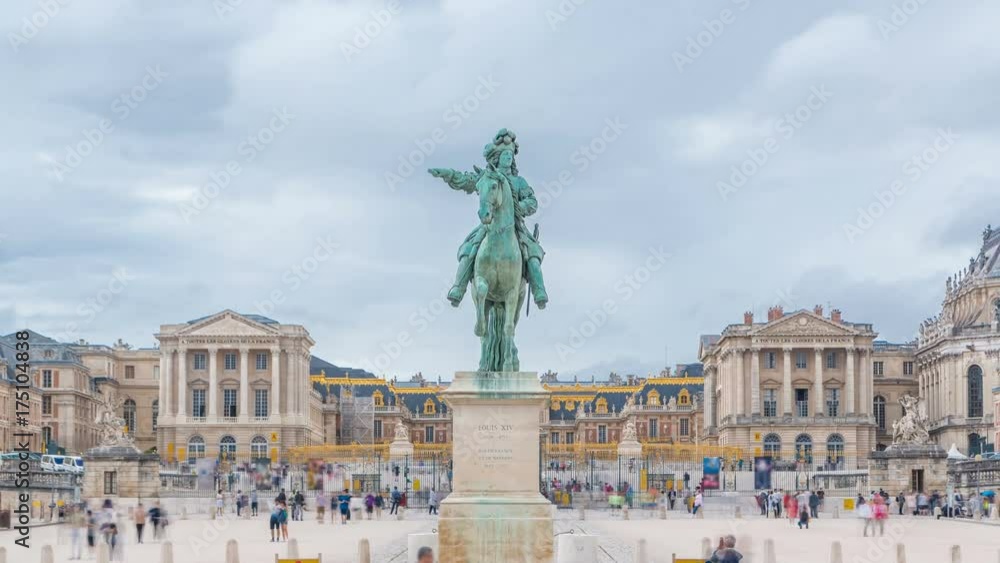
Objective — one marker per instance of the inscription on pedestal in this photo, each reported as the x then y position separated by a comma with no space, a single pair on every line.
494,446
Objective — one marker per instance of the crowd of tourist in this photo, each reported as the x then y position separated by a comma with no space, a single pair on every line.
90,526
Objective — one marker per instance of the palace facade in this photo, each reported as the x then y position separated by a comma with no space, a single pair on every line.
958,352
796,386
801,385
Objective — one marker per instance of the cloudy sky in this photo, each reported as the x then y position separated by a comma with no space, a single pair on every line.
166,160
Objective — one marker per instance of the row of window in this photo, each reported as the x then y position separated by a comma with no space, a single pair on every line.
802,406
804,447
974,394
47,378
429,433
230,402
802,362
683,429
229,361
227,447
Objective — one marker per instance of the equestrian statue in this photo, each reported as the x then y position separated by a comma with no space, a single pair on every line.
500,258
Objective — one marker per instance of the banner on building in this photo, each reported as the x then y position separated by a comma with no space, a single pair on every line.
711,466
762,467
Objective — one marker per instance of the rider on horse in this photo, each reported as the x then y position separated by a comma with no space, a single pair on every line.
526,205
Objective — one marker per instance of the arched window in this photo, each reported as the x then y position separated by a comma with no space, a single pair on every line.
975,392
128,413
258,447
196,447
684,397
835,450
772,446
378,399
878,409
602,406
227,447
804,448
429,407
653,397
975,444
156,413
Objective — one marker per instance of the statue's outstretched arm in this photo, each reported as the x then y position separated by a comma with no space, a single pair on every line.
456,180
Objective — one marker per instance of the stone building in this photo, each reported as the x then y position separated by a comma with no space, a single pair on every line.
798,387
235,384
959,350
894,374
131,374
666,408
13,399
69,379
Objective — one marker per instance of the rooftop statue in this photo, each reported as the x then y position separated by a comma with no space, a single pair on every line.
499,258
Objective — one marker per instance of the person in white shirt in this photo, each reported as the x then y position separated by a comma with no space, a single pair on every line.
698,500
864,512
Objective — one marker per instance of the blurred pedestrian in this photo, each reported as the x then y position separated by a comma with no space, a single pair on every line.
139,515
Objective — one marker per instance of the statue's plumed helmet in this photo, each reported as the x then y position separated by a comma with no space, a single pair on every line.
504,139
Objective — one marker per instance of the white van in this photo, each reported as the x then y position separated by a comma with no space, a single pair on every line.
73,464
53,463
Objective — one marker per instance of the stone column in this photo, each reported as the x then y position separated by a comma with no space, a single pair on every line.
755,381
710,398
867,382
849,391
276,383
963,407
741,399
213,383
244,384
786,383
166,381
290,378
818,383
181,383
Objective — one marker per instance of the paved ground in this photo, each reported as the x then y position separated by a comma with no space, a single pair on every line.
927,540
199,540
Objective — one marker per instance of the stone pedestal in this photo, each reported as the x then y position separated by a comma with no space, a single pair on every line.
893,469
630,449
132,474
400,448
495,512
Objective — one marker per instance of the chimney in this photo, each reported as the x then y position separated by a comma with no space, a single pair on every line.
748,318
775,313
835,316
818,309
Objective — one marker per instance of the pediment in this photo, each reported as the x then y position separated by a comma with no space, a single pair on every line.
228,323
804,323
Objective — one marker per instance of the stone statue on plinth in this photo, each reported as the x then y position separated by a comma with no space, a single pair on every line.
629,433
912,428
111,429
401,433
500,258
400,445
